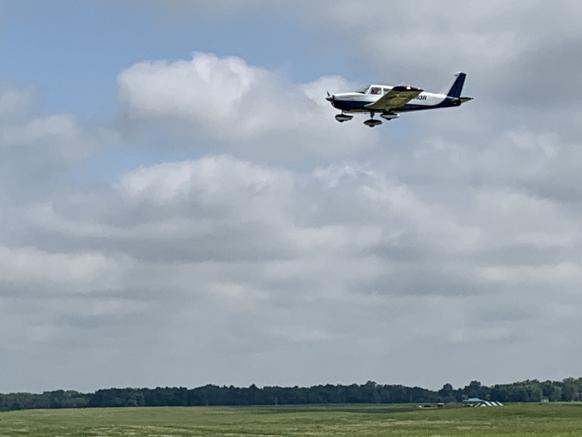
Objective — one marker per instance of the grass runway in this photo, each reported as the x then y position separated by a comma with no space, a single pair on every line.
524,420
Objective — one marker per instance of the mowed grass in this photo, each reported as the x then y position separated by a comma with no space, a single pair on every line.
341,420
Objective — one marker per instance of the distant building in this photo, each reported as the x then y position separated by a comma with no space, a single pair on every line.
476,402
473,401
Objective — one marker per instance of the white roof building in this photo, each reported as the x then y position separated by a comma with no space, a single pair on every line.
476,402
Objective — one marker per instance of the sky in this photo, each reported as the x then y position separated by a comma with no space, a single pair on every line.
179,206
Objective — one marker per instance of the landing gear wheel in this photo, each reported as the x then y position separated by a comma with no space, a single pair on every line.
343,117
389,116
372,122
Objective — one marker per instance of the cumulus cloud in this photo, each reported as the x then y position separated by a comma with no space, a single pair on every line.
231,103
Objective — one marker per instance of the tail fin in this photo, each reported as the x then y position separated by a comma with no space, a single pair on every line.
457,85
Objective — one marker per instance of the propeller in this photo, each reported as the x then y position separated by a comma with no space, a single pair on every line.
329,97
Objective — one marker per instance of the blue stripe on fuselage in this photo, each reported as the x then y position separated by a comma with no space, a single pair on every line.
352,105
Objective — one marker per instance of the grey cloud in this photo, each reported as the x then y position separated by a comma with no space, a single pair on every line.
543,76
336,267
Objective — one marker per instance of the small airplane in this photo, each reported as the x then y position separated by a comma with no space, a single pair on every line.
390,101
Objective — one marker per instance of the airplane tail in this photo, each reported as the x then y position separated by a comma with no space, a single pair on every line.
456,86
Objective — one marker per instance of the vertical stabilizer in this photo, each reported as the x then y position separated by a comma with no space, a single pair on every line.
457,85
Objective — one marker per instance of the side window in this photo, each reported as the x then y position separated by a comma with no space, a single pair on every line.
386,90
376,90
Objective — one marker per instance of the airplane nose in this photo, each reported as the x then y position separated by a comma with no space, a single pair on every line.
330,97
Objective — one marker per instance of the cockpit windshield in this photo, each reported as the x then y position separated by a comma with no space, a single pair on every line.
362,90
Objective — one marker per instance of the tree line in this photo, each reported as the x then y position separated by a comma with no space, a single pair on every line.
569,389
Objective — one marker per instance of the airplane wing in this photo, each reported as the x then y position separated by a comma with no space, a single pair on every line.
395,98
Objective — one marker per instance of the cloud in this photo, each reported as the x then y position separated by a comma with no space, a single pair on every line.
14,102
37,151
32,268
227,102
220,180
261,261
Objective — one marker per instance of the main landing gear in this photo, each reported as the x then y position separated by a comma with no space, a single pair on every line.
389,115
372,121
343,117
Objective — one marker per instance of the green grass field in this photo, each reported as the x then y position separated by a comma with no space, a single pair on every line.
343,420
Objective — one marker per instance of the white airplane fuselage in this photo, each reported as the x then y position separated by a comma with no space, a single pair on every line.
357,102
